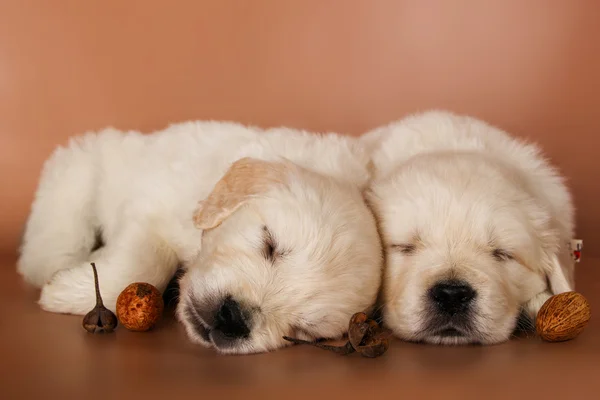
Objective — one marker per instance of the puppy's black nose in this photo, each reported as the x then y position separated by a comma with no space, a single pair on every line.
230,320
452,297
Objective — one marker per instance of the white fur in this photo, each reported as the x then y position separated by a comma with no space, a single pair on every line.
140,192
449,190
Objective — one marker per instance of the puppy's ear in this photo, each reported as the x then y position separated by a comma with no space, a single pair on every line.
245,178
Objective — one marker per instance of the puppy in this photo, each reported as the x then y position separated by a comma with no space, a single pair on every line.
270,227
476,226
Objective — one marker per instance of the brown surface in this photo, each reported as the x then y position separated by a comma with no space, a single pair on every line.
66,66
50,355
347,65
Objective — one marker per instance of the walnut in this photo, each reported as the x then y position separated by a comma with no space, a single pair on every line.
563,317
365,336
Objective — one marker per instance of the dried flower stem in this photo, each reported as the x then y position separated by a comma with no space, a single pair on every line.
99,301
343,350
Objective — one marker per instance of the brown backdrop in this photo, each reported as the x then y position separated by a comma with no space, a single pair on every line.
346,65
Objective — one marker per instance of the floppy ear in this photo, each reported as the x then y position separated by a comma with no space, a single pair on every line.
245,178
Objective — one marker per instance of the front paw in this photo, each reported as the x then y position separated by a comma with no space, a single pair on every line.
32,273
70,292
532,307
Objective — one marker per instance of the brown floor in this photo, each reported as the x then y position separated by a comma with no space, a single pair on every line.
45,355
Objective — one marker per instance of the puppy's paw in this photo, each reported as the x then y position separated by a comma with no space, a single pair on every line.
72,291
532,307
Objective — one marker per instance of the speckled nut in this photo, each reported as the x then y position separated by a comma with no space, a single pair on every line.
139,306
563,317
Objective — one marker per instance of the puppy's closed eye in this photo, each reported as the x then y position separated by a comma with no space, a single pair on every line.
271,248
405,248
502,255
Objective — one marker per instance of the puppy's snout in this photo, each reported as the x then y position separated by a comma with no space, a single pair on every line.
452,297
230,320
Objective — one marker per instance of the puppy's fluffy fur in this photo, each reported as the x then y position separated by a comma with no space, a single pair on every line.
281,229
461,201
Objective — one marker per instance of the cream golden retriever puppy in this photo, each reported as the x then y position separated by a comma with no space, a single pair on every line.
476,227
270,227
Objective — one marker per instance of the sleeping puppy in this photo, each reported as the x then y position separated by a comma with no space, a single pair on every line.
476,227
270,227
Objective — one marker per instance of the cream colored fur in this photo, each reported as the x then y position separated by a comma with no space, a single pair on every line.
142,193
451,191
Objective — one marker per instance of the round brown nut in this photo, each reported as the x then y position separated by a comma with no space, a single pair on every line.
563,317
139,306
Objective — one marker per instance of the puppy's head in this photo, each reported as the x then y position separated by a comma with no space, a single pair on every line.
467,246
285,251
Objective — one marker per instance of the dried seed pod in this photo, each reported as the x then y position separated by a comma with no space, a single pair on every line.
140,306
100,319
357,328
365,336
375,346
563,317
